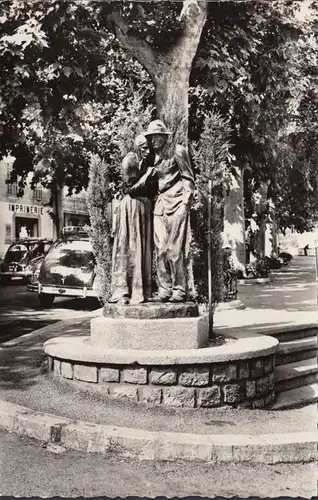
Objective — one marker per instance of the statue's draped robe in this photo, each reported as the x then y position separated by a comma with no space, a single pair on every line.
132,250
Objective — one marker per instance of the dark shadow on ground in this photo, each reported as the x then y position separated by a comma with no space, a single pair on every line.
23,361
21,313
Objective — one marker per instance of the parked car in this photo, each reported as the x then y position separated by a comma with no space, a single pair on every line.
17,262
33,279
68,269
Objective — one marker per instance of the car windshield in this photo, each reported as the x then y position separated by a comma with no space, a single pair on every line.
40,248
16,253
73,253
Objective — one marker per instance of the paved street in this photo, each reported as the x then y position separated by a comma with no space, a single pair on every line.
20,311
28,469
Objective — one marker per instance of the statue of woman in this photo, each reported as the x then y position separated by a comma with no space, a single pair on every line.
132,250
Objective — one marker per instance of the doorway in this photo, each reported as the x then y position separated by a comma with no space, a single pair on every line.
26,228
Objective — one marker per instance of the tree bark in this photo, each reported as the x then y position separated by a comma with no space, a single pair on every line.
234,217
260,209
169,72
58,214
271,245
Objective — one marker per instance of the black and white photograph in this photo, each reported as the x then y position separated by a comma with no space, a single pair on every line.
158,248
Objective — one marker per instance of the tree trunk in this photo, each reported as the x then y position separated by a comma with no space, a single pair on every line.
271,246
58,215
234,219
260,210
173,102
170,71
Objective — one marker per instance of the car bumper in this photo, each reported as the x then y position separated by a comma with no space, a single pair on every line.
32,288
66,292
14,274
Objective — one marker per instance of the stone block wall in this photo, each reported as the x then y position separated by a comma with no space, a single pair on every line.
238,384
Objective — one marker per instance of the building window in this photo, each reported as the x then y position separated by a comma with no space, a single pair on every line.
12,187
75,204
7,238
38,193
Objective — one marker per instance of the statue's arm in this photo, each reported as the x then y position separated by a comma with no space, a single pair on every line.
184,164
138,188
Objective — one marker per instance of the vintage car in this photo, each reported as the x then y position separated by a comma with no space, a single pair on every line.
18,260
68,269
33,279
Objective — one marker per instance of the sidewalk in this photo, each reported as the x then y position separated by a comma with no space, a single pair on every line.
290,299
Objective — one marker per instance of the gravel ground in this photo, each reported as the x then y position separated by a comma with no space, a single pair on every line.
29,468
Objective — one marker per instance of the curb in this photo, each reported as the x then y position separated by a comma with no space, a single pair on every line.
151,445
254,281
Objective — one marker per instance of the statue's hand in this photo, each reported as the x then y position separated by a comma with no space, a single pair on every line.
151,171
187,198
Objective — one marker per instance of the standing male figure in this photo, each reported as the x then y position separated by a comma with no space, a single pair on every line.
171,213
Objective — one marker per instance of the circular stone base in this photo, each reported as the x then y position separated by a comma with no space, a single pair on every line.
238,374
152,310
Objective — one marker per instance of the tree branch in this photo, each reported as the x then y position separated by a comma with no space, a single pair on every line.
193,15
136,46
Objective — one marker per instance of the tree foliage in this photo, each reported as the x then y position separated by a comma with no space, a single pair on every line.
255,65
62,79
64,75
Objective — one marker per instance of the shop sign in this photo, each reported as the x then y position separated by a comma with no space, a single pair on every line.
26,209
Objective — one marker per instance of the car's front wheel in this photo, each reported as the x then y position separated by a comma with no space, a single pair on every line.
45,299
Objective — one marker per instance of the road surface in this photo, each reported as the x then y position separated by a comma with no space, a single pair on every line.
20,311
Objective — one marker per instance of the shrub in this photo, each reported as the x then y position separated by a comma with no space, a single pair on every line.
274,262
286,257
257,269
99,199
210,156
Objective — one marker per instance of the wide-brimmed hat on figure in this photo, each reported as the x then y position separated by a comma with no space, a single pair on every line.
140,140
157,127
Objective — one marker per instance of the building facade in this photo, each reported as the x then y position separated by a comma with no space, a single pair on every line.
30,215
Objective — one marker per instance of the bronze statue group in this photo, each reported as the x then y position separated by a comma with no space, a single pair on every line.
158,189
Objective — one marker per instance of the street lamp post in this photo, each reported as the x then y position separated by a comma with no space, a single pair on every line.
211,334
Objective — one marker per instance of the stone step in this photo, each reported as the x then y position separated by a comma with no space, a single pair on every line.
296,350
295,398
295,374
293,333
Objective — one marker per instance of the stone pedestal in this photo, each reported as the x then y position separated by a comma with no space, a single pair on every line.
151,326
150,354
